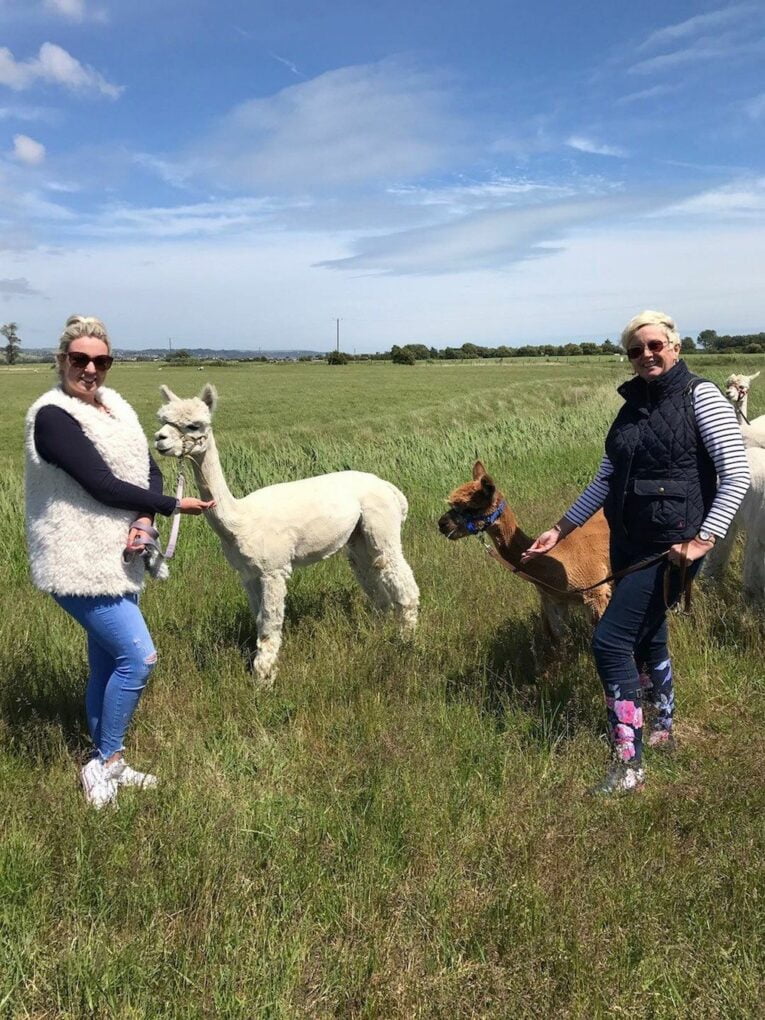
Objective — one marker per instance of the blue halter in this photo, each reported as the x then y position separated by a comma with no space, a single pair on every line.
474,525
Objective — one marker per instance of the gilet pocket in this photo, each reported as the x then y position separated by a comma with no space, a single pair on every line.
660,504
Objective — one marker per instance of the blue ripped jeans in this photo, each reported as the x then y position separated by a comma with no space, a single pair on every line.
121,656
630,649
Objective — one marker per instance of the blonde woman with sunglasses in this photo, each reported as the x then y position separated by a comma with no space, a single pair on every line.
92,490
673,475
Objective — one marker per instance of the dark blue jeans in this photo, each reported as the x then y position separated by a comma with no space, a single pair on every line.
630,648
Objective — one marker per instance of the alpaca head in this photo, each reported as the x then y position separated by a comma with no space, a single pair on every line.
737,387
469,503
186,424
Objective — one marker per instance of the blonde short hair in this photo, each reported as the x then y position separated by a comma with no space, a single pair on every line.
82,325
651,318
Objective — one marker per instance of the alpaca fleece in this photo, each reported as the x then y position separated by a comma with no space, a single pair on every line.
76,543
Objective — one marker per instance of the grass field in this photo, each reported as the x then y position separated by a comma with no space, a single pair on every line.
396,830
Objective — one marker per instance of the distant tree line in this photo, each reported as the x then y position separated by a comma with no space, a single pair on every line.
409,354
707,341
749,343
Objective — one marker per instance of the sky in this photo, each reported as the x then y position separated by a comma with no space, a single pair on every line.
241,174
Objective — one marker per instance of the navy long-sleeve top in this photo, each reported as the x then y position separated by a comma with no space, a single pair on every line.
60,441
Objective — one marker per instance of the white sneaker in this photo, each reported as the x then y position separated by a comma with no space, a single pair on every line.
98,785
127,776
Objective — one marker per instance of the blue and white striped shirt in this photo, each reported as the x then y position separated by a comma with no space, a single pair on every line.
721,435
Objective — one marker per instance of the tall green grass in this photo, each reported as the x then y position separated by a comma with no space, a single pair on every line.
396,830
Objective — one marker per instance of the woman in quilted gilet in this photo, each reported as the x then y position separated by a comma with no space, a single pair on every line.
92,490
673,475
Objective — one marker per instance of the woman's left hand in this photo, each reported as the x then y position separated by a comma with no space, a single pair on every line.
136,539
695,550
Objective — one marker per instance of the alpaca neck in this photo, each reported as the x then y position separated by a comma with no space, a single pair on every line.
511,542
509,539
742,409
212,483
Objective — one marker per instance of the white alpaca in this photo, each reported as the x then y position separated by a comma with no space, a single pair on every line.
273,530
737,391
750,518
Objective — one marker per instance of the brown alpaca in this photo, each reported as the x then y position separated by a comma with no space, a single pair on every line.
577,561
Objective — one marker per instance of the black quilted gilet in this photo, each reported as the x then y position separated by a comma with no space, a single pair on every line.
664,480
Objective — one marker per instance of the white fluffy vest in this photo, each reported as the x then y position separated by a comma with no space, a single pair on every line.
76,543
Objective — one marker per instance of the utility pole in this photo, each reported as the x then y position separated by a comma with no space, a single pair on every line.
337,338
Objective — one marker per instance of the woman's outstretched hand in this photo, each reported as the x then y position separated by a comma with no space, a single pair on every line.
189,505
546,541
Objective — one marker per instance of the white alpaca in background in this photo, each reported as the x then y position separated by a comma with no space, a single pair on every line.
737,391
750,518
268,533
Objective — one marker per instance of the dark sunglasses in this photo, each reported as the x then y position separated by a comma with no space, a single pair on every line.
654,346
102,362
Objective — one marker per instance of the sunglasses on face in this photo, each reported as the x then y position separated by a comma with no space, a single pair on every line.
102,362
654,346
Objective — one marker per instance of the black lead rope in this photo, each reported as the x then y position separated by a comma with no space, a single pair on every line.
685,578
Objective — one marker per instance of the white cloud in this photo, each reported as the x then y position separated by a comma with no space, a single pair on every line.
55,66
583,144
699,23
27,150
289,65
743,199
650,93
176,173
349,126
75,10
27,113
33,206
64,187
496,191
703,50
483,240
198,219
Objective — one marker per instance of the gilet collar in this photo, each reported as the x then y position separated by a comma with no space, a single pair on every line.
638,391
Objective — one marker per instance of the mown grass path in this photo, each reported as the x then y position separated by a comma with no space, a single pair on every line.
395,830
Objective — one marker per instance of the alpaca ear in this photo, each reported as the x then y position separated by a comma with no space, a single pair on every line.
488,488
168,394
753,377
478,470
210,396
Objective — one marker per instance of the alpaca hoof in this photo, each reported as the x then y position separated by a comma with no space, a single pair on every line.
263,672
406,618
263,683
263,676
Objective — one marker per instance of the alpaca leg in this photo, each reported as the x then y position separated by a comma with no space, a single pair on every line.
252,586
554,616
754,567
397,581
270,619
597,601
360,557
381,526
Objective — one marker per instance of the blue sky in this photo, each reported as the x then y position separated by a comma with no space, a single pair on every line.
236,174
